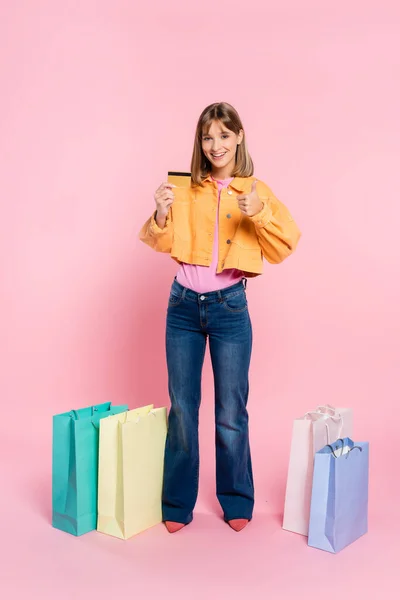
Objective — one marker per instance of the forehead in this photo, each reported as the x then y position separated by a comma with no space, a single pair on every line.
215,127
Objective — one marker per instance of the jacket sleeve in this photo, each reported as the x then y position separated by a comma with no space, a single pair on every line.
276,230
158,239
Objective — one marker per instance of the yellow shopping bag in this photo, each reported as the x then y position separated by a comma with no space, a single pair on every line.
131,464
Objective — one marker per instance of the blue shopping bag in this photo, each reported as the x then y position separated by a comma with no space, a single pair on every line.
339,500
75,467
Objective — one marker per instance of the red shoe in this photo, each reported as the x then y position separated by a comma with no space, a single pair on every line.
173,527
238,524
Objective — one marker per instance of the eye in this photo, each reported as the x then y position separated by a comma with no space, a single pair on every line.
225,135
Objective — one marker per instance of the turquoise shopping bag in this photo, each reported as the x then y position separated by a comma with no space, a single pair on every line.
75,467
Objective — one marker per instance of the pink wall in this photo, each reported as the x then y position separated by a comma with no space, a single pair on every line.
98,100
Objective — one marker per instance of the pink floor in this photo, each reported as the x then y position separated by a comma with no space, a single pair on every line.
205,560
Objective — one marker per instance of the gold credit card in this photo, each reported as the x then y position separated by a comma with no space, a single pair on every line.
179,178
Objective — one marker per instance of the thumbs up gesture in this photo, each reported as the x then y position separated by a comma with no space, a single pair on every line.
250,204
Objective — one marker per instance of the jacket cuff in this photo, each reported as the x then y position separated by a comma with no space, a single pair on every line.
262,218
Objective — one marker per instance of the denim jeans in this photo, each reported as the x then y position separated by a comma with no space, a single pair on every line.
222,317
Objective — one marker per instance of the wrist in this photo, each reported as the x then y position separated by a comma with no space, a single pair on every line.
262,218
160,221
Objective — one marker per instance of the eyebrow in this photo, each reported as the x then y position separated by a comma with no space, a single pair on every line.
207,134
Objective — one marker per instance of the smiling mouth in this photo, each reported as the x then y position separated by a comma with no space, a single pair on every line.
218,156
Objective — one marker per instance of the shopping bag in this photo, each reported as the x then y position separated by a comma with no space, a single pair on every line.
310,433
75,467
131,466
339,500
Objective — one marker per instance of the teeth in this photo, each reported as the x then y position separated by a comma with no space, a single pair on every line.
218,155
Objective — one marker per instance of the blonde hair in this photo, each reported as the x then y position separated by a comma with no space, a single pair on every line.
201,166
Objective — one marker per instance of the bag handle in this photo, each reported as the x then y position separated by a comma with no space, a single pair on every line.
336,418
326,408
139,418
342,448
95,422
75,413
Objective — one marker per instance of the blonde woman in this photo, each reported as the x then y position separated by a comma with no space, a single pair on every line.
218,230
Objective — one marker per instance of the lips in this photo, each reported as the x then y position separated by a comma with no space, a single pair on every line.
218,156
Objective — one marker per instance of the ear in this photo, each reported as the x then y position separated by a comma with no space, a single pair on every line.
240,137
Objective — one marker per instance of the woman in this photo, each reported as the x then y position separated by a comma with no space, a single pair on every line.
218,230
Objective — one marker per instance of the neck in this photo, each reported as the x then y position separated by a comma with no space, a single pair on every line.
221,173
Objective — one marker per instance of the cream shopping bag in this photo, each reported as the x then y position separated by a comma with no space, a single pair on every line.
313,431
131,464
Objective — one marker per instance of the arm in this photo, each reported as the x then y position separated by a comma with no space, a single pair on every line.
276,230
160,239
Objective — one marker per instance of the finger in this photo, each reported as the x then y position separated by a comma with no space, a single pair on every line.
167,204
165,194
243,202
164,186
167,199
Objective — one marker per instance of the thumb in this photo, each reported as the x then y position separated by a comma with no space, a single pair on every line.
253,186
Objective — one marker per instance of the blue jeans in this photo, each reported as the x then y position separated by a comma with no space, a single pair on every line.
222,316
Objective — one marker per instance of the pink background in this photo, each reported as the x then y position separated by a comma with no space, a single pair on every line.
98,101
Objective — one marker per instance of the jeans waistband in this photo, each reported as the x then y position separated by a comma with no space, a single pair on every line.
214,296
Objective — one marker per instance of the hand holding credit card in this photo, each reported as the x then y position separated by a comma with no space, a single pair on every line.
164,195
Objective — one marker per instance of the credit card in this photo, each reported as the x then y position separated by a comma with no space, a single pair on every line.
179,178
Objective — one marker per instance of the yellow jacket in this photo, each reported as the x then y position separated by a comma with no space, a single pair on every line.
243,241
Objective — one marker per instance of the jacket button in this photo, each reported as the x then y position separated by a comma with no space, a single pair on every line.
230,192
228,241
228,216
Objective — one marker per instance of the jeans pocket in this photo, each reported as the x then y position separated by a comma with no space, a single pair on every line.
174,299
236,303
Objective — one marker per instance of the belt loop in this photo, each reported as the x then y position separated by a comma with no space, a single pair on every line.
219,295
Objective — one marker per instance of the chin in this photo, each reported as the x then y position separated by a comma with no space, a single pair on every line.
220,165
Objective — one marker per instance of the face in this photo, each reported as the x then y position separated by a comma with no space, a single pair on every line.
219,146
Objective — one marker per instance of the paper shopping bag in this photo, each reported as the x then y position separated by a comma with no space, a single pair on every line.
131,466
339,500
75,467
310,433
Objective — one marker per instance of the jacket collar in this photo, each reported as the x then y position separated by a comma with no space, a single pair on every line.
240,184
